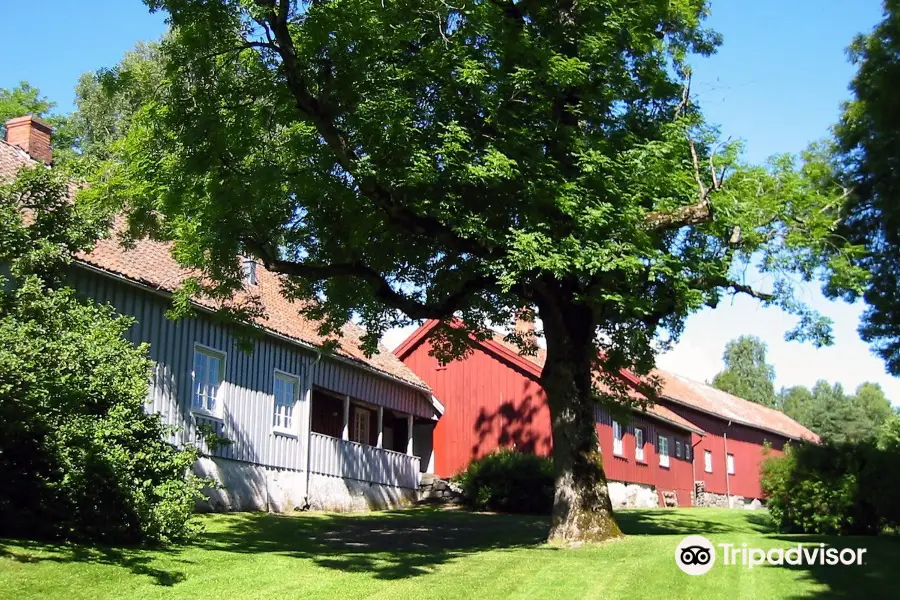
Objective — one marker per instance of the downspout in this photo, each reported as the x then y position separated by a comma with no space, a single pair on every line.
308,389
727,477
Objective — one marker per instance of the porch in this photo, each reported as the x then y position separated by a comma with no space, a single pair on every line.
355,440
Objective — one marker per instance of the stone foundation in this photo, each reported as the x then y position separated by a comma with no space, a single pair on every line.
709,499
247,487
632,495
244,486
336,494
435,490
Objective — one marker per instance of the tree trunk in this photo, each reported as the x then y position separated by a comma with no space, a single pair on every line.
582,511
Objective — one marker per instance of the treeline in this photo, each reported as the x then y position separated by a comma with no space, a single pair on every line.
826,409
836,415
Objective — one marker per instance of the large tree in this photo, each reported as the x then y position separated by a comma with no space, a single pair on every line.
868,158
468,160
746,373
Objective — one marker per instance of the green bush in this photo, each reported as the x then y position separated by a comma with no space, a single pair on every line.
79,456
835,489
509,481
80,459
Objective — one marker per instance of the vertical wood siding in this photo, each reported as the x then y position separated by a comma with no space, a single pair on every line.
745,443
676,478
488,404
247,389
339,458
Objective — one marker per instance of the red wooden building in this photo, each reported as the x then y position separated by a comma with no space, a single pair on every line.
736,434
493,398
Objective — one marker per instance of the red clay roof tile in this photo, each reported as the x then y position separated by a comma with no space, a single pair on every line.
150,263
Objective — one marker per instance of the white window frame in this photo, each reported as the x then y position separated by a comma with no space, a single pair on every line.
729,463
708,461
290,429
356,423
687,451
639,444
618,437
677,448
662,446
222,356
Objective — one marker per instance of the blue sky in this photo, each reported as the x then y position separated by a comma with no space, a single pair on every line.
776,83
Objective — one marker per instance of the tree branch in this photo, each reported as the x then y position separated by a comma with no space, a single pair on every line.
320,115
381,287
511,10
738,288
692,214
666,307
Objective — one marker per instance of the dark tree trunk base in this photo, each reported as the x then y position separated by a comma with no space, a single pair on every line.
582,511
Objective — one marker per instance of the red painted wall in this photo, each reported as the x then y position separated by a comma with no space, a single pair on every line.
745,443
489,403
676,478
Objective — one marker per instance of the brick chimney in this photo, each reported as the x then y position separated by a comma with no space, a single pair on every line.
31,135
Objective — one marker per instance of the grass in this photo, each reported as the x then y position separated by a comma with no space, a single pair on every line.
434,554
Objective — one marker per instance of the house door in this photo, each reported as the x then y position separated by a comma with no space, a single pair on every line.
361,426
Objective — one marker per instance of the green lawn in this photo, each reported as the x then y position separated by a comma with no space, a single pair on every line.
428,554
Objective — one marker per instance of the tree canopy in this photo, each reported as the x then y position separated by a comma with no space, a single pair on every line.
402,161
866,154
835,415
747,374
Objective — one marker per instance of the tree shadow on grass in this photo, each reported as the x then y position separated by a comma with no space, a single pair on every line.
135,560
875,578
691,521
390,545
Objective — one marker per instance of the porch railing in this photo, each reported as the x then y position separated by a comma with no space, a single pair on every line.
340,458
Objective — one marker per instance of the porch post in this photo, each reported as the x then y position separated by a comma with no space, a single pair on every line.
409,435
345,432
380,442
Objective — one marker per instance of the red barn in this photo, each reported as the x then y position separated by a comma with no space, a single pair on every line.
738,434
493,399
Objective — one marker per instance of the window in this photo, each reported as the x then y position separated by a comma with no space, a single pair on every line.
209,370
285,398
617,438
361,426
687,451
677,448
663,447
638,444
707,461
730,463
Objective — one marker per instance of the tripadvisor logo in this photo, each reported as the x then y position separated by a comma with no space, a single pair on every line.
696,555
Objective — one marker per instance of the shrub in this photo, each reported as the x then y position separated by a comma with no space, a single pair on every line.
842,489
509,481
79,457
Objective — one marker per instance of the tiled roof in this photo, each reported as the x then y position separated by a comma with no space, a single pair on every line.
151,264
12,158
707,399
726,406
